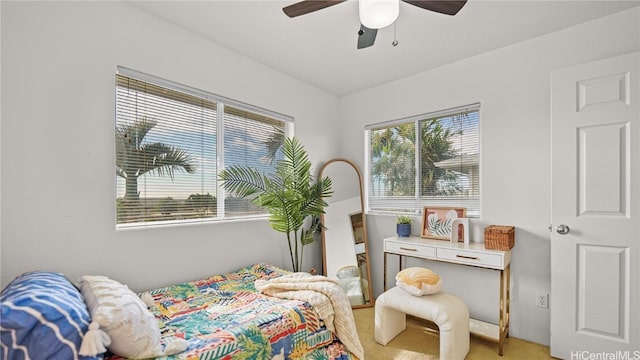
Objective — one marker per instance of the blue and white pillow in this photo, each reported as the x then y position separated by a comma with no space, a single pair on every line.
43,316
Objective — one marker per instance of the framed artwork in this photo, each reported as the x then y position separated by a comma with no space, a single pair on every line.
436,222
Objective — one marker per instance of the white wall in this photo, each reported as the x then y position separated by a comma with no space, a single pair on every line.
58,194
512,84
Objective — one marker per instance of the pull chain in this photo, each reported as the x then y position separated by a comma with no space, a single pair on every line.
395,40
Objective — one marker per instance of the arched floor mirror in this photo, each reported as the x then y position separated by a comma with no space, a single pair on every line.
344,239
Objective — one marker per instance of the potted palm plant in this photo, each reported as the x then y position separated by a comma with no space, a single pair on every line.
403,225
289,195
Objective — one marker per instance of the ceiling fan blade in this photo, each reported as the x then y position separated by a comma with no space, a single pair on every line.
448,7
366,37
308,6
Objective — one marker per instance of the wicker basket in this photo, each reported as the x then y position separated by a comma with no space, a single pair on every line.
499,237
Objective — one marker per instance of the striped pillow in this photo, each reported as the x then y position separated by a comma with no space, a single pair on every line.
43,316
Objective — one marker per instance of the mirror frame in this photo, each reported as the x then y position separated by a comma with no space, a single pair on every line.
364,228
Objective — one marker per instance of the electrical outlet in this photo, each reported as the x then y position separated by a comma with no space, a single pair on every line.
542,300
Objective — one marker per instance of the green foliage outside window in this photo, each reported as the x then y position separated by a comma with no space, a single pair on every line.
431,159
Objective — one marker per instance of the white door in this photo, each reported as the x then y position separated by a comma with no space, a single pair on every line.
595,274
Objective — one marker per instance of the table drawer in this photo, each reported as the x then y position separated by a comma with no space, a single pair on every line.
416,250
470,257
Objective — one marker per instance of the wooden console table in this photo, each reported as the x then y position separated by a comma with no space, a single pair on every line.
472,254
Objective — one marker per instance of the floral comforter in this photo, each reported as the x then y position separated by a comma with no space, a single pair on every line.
224,317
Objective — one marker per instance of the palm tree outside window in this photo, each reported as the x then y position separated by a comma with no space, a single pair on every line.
438,167
171,142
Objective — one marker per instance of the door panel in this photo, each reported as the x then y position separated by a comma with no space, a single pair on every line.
595,273
603,293
603,167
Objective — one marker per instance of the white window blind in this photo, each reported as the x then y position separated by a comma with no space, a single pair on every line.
438,167
250,140
171,140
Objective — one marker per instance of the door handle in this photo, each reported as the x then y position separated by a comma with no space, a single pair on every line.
562,229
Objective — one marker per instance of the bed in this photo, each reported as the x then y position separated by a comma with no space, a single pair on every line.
221,317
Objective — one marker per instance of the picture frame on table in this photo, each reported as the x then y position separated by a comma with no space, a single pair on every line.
436,222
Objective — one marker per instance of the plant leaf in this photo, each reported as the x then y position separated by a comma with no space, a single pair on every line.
289,195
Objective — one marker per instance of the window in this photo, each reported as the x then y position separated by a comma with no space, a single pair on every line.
439,167
170,142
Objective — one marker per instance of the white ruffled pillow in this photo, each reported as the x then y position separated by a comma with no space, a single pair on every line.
418,281
121,322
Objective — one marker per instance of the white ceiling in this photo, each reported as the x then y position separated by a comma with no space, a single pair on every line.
320,48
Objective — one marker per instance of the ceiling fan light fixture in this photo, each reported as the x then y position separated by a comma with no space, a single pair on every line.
377,14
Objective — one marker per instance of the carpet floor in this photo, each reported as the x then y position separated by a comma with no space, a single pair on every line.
421,341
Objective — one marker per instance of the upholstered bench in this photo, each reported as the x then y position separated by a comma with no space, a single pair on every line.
447,311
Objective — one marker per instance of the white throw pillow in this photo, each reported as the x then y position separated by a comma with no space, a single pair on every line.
418,281
119,312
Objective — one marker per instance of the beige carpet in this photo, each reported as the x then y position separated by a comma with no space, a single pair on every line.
420,341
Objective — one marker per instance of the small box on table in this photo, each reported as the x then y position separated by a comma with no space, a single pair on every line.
499,237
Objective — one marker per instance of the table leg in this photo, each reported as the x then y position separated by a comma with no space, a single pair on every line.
505,299
384,279
508,300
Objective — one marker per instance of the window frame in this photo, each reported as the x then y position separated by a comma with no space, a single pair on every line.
415,205
221,102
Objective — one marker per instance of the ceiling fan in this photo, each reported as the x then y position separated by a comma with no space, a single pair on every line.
375,14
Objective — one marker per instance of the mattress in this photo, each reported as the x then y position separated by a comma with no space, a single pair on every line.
224,317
